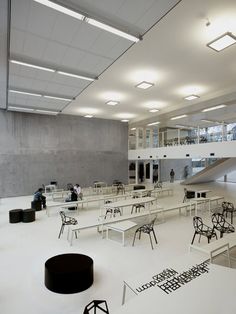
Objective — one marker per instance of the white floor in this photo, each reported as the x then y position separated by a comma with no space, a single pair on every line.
24,248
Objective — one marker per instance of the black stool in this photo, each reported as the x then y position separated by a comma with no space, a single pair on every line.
28,215
37,205
68,273
15,215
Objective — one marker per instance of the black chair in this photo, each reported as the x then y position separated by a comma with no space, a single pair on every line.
96,304
158,185
112,212
202,229
220,224
66,221
69,186
188,195
120,188
228,208
146,228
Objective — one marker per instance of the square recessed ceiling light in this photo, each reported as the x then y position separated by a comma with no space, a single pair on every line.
124,120
133,129
191,97
112,102
222,42
179,117
88,116
213,108
144,85
153,110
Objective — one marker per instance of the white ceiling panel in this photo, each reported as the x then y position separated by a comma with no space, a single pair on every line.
65,29
34,46
54,52
20,11
72,57
94,64
56,89
41,20
17,40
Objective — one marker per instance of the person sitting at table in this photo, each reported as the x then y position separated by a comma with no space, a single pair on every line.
78,191
72,197
38,196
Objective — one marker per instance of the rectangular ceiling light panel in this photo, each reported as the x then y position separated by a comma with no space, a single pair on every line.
32,66
213,108
222,42
179,117
191,97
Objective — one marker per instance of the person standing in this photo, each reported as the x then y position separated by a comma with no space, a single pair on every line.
78,191
172,176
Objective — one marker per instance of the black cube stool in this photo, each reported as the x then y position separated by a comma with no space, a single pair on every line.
15,215
37,205
139,187
68,273
28,215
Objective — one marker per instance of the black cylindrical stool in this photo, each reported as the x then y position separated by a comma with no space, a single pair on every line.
28,215
15,215
68,273
37,205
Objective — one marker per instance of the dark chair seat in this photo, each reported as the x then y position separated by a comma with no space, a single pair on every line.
37,205
15,215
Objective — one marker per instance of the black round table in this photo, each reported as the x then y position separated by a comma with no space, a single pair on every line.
68,273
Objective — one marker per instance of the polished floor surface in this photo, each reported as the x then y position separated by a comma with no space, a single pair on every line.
24,248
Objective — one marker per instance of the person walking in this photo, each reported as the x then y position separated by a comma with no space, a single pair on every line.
172,176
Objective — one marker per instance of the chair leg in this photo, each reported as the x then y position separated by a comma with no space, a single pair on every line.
134,238
150,240
193,237
199,238
208,239
132,209
61,231
154,236
231,217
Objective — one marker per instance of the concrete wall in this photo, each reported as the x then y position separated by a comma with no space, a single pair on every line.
37,149
165,166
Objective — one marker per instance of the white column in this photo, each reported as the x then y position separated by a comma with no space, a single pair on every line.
136,172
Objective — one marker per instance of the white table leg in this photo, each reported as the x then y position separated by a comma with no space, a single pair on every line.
124,293
123,238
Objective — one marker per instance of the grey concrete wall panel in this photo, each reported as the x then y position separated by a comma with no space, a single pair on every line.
4,42
176,164
37,149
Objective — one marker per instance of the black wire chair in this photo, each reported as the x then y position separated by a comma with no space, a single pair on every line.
221,225
112,211
146,228
203,230
66,221
228,208
137,207
96,304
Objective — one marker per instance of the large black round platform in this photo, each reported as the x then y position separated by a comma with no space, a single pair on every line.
68,273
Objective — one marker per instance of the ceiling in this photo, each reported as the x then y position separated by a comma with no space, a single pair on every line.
172,55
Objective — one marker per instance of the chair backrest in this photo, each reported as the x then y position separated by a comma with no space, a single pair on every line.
224,205
96,304
63,216
197,223
218,220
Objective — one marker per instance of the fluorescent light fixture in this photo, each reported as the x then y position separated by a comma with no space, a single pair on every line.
222,42
112,102
88,116
133,129
179,117
57,98
61,9
24,93
76,76
191,97
153,110
213,108
46,111
184,126
32,66
20,108
144,85
153,123
111,29
210,121
88,20
124,120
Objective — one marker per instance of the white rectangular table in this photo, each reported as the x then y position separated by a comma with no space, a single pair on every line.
211,292
121,227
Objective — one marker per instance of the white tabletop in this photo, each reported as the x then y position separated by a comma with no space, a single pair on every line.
122,226
130,202
211,292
